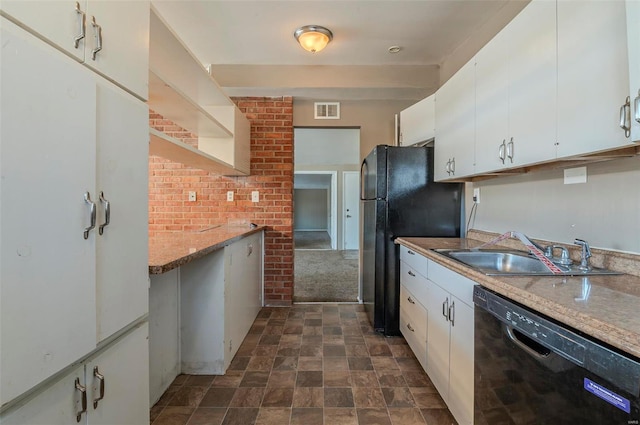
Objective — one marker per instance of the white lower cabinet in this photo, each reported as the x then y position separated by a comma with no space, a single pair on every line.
450,343
437,320
109,388
224,291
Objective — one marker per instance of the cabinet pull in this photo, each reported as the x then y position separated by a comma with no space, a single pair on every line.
445,309
410,273
410,327
636,106
107,213
411,300
97,33
510,150
100,377
452,313
92,205
83,399
625,117
501,151
82,28
411,252
447,167
452,166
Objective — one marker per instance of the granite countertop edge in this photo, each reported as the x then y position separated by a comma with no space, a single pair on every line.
181,245
606,331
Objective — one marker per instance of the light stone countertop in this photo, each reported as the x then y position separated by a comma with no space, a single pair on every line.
169,250
610,313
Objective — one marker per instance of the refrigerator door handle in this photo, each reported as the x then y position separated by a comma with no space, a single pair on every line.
362,181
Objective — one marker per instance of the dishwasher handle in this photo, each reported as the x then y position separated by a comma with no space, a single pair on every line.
537,351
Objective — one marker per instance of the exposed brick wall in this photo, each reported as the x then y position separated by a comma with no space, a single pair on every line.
271,174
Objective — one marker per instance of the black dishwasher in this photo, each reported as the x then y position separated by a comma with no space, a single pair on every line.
532,370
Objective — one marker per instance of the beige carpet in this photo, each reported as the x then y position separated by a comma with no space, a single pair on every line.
325,276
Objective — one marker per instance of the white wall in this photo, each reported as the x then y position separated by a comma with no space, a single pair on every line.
311,209
605,211
315,146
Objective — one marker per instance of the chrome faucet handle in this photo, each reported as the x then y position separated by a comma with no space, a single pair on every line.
564,256
586,253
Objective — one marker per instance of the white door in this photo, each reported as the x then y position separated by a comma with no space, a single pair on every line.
122,248
351,206
47,278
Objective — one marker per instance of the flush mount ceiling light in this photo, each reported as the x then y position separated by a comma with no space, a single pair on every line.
313,38
394,49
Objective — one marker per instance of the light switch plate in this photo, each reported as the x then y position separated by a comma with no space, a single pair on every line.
255,196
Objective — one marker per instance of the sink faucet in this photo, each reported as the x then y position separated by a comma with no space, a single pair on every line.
564,256
586,253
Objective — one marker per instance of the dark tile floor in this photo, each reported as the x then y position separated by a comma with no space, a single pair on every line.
309,364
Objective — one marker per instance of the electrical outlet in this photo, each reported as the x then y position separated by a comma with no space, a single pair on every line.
230,195
476,195
255,196
192,196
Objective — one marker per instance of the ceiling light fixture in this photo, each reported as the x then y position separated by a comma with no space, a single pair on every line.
394,49
313,38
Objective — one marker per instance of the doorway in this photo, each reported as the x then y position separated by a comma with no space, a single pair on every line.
315,209
326,215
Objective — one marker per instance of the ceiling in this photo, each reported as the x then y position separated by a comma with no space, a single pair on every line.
252,51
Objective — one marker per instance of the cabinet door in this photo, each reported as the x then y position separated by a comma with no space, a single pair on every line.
633,40
593,76
417,122
491,107
461,349
455,125
124,57
532,85
47,309
58,404
438,338
58,21
242,286
122,249
125,371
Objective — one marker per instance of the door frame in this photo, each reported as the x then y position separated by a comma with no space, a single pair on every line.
333,207
344,209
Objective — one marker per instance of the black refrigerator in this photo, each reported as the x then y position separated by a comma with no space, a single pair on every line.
398,198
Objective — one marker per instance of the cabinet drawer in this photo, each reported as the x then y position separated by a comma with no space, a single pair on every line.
415,282
419,347
415,313
454,283
414,260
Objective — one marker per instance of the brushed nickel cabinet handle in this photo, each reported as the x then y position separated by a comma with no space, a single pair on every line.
501,151
445,309
83,399
100,390
452,313
107,213
82,27
92,209
411,300
625,117
510,150
410,273
410,328
636,106
97,34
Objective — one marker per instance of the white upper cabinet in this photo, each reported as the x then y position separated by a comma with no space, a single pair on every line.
516,92
593,76
417,122
633,40
117,31
455,126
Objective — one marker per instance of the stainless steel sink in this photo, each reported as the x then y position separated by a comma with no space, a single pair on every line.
513,263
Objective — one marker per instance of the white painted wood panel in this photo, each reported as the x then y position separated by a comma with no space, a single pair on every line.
461,359
593,76
164,332
417,122
122,249
47,279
